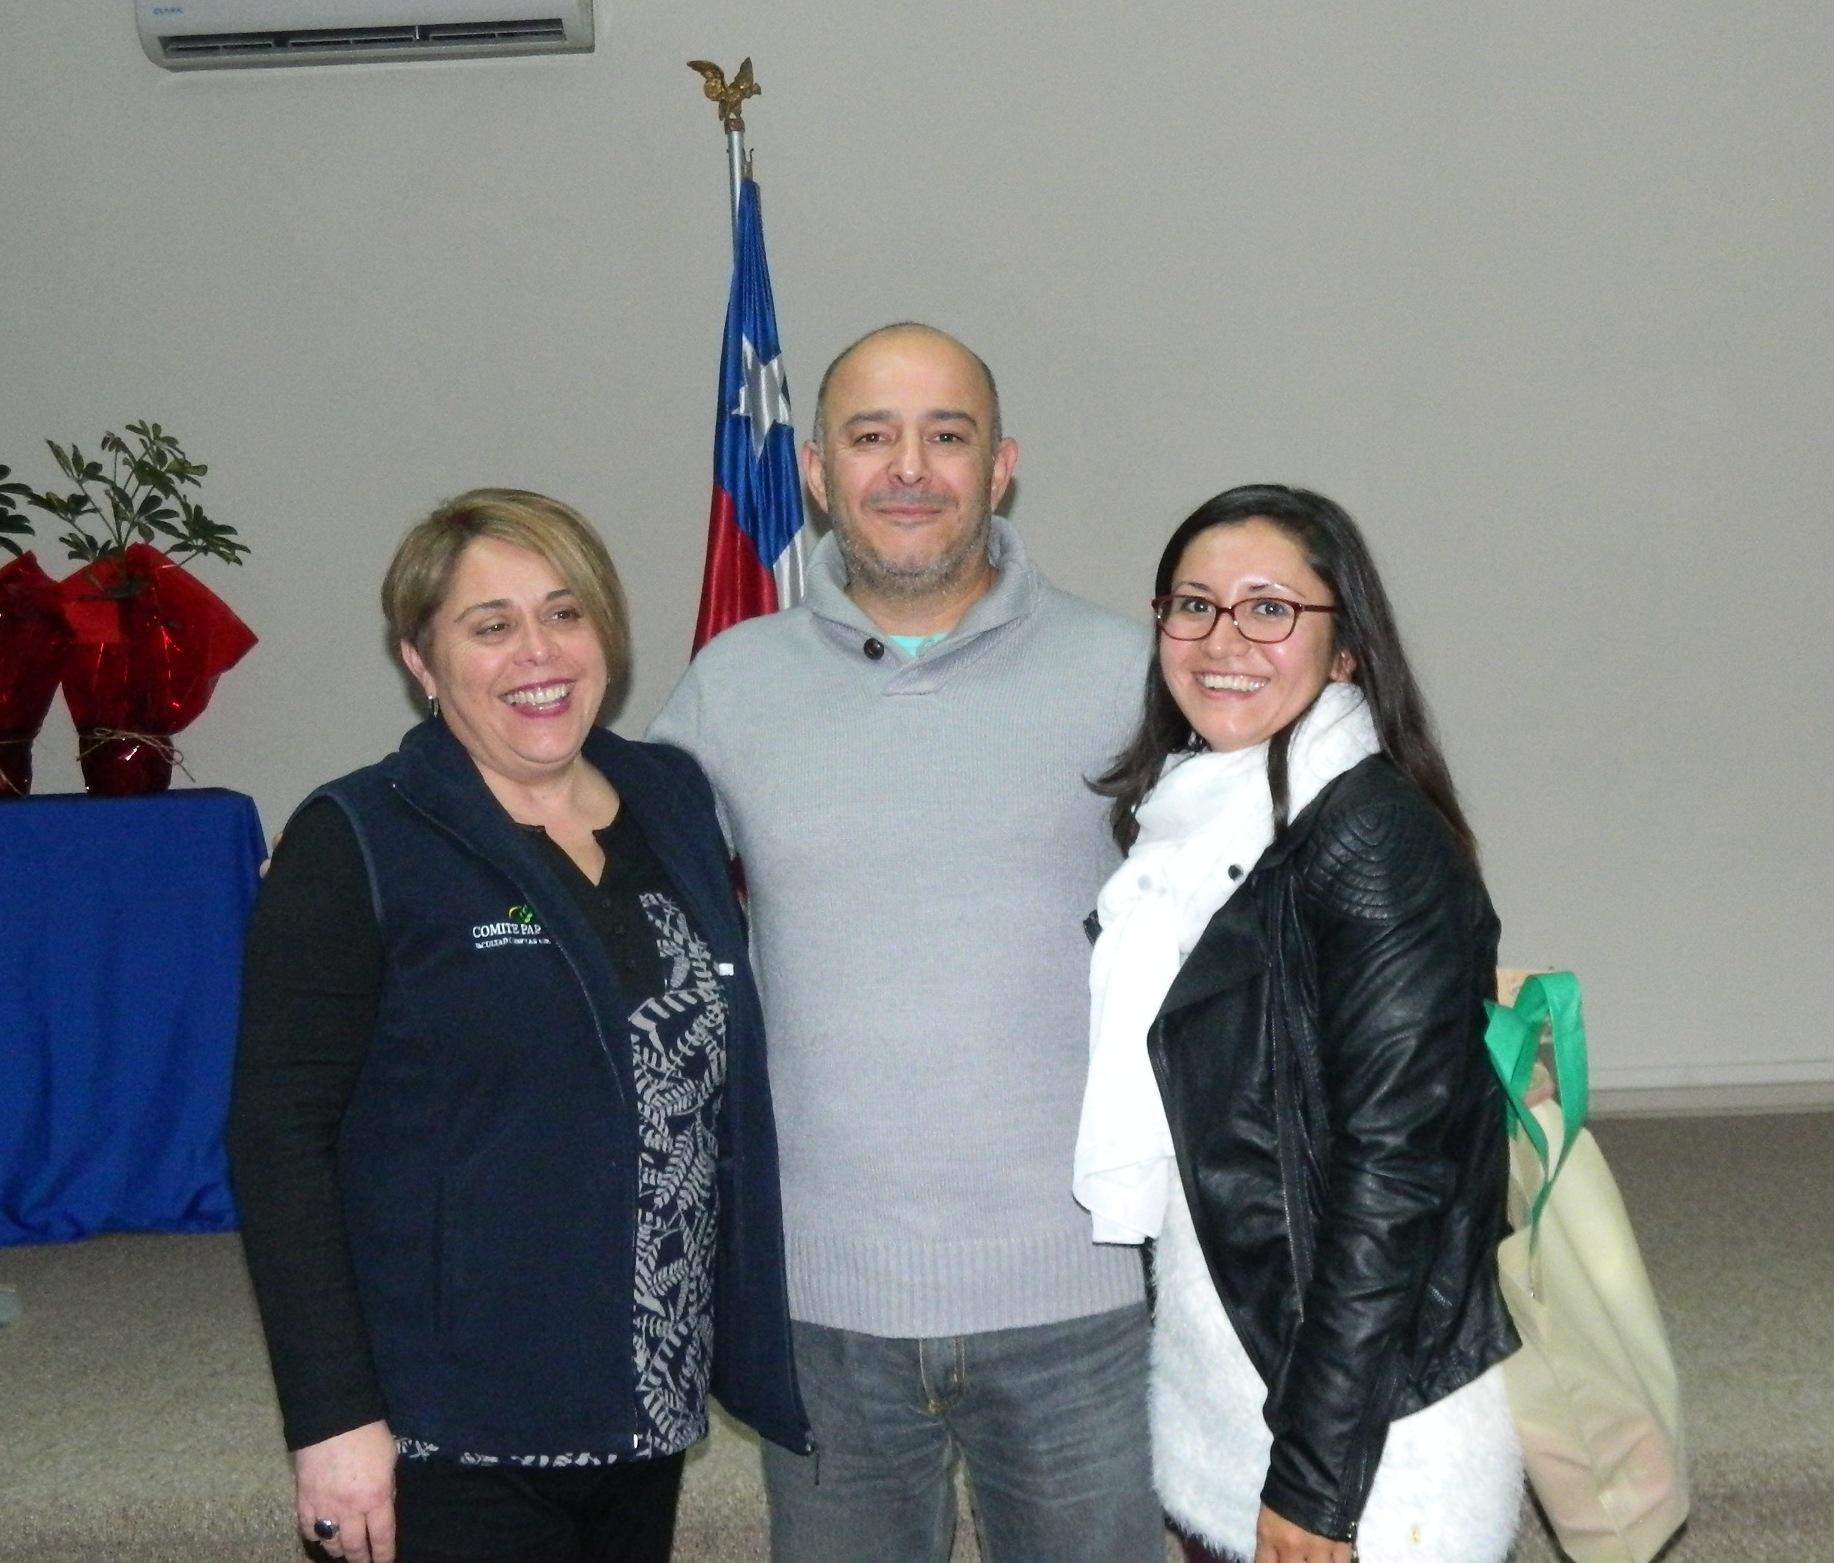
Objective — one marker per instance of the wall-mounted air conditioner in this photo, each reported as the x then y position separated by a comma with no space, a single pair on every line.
191,34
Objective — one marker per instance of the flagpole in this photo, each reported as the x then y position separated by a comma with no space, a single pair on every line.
730,96
736,156
757,542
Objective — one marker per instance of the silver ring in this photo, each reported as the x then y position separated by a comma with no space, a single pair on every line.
324,1529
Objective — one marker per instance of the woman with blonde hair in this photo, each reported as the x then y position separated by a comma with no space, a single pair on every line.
501,1135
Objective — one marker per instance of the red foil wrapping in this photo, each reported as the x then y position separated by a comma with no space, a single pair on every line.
33,639
149,641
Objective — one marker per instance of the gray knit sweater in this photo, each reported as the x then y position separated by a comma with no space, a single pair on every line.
920,850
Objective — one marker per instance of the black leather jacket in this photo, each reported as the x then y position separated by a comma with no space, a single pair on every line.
1339,1132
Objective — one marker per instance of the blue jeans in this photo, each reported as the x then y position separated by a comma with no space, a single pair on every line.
1049,1421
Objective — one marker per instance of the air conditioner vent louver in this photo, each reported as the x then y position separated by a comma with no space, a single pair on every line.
546,29
180,34
368,40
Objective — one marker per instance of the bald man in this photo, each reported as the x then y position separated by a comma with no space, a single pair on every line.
901,760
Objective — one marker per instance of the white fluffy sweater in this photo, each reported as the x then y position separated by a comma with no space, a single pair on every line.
1448,1490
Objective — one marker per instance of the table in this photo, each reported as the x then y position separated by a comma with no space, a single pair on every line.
121,925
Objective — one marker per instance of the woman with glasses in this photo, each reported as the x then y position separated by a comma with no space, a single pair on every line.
1288,1085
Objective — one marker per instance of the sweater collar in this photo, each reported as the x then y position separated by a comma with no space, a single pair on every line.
1014,593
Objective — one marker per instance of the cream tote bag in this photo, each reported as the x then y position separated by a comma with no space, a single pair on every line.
1593,1388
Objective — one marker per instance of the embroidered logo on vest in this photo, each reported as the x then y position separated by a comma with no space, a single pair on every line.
519,926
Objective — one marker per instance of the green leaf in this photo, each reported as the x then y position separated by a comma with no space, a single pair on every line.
65,509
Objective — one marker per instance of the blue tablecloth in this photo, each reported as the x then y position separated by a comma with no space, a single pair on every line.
121,925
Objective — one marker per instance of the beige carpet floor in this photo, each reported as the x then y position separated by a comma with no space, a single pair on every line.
136,1419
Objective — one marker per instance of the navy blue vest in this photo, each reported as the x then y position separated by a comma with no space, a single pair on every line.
488,1155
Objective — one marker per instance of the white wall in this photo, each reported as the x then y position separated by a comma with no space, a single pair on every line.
1539,292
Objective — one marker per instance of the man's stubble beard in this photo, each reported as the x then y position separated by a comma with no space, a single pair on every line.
892,581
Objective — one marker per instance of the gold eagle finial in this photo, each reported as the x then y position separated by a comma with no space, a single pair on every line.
730,95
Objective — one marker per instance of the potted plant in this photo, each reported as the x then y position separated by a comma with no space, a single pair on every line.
144,490
148,639
33,639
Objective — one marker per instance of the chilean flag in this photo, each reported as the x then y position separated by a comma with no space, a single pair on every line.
755,536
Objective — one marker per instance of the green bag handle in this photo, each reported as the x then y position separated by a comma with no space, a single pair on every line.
1513,1037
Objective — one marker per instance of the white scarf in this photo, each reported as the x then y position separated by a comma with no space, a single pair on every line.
1202,828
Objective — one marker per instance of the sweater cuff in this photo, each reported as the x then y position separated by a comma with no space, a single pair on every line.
326,1418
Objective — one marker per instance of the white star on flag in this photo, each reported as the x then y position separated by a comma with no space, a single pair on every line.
763,399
